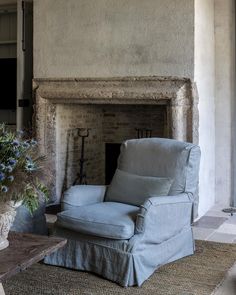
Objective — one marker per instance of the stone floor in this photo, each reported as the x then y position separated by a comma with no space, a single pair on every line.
218,226
215,226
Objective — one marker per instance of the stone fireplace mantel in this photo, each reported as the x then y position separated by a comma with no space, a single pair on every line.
178,94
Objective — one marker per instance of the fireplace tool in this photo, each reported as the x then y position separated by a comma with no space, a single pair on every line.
81,176
65,184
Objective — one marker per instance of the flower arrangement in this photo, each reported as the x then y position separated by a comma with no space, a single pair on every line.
21,170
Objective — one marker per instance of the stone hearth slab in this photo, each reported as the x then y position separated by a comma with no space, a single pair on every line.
210,222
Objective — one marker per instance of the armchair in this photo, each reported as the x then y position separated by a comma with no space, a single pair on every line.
141,221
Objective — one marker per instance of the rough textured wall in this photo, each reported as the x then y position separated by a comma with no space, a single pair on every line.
204,75
91,38
224,92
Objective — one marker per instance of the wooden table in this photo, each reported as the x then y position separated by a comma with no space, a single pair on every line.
23,251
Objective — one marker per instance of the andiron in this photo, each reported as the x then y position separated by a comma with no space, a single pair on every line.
81,176
144,132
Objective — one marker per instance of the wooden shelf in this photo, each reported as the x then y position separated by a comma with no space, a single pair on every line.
8,42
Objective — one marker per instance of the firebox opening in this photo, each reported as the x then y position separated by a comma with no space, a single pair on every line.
112,151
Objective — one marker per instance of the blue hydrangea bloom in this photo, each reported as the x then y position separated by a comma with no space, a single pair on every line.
28,158
17,154
10,178
4,189
26,144
15,142
12,161
9,169
2,176
29,166
2,167
33,142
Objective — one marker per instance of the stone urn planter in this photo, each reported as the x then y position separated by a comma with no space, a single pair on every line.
7,216
23,178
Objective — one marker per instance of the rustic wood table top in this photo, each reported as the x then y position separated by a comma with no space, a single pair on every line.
25,250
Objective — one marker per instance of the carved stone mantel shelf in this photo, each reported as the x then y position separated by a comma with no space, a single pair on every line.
178,94
128,90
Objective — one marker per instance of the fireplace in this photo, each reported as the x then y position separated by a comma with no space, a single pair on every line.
114,109
112,151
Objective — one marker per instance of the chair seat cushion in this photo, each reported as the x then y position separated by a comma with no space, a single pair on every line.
108,219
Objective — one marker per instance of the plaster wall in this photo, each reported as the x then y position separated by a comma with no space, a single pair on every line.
108,38
224,93
204,75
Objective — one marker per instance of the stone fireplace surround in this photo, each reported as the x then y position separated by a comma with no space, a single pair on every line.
55,96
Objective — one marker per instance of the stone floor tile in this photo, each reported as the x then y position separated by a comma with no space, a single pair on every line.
217,214
221,237
201,233
210,222
218,207
231,220
227,228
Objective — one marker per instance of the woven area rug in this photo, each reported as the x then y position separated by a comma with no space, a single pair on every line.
198,274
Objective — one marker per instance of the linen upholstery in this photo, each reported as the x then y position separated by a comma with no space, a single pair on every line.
162,230
108,219
134,189
161,157
161,218
126,262
78,195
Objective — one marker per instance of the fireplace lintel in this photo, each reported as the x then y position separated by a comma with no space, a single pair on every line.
127,90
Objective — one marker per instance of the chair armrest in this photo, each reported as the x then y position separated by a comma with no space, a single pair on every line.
161,218
80,195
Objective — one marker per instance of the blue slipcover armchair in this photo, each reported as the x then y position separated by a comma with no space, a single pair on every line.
141,221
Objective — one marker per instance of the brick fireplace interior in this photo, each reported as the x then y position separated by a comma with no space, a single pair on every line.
113,110
109,126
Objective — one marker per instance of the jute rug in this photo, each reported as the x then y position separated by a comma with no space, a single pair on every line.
199,274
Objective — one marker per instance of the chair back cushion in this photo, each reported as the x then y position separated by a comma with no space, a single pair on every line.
134,189
167,158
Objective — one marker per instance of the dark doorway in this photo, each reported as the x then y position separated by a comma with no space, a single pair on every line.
112,151
8,83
